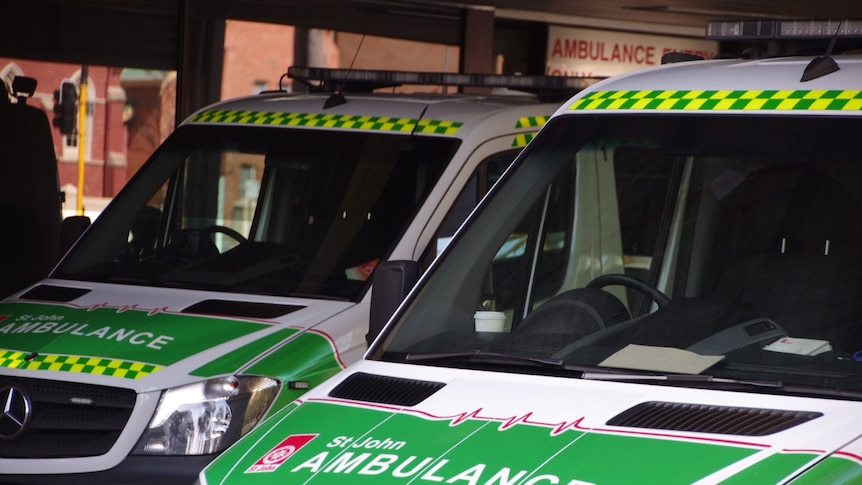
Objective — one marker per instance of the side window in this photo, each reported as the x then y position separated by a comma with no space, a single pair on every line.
541,241
597,216
219,204
643,185
483,178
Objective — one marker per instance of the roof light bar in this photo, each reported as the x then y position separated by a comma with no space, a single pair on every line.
782,29
820,28
740,29
339,79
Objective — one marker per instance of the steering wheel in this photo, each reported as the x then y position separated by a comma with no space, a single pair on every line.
651,292
209,231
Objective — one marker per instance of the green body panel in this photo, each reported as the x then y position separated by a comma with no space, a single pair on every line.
239,358
122,342
832,470
362,445
309,358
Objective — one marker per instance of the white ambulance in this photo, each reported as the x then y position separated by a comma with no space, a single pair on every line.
664,288
232,273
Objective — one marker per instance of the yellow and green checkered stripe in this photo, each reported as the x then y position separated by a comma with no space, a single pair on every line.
528,122
13,359
783,100
531,122
344,122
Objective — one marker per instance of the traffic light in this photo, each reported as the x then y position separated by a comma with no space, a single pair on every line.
66,107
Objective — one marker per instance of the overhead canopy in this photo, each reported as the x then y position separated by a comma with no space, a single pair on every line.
151,34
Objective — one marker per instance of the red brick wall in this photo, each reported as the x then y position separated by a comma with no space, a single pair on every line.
143,126
394,54
254,52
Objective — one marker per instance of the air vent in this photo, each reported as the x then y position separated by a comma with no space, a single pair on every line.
701,418
54,293
228,308
385,389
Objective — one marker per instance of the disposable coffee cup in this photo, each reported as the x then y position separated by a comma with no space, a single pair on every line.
490,321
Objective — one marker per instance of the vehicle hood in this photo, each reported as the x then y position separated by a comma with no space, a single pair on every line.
131,337
473,427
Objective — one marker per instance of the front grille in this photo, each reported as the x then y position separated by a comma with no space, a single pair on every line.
67,419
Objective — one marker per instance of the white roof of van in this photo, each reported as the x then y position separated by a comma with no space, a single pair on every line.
728,86
427,114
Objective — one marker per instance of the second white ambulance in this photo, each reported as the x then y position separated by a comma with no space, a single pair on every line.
675,264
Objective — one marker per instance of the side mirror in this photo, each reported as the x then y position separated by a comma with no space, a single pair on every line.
392,281
71,229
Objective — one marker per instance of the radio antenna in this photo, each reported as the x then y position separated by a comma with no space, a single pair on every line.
356,54
337,97
825,64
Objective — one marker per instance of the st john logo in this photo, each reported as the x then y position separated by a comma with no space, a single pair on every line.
278,455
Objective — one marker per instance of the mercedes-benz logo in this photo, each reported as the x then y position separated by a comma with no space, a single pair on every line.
15,410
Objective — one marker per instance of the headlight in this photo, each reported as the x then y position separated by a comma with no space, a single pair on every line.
206,417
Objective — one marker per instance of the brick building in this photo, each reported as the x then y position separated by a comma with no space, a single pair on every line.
133,110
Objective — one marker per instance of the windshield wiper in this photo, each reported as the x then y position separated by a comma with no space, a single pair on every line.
590,373
585,373
479,355
697,378
609,376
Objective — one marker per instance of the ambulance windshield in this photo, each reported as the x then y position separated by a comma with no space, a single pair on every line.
262,210
681,244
